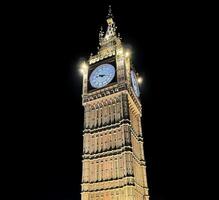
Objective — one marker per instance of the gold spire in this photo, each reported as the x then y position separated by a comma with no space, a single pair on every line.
109,15
109,40
110,33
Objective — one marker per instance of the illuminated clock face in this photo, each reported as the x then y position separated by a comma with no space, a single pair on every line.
135,84
102,75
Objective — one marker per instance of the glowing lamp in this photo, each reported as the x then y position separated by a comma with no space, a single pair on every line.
127,53
140,80
83,68
81,71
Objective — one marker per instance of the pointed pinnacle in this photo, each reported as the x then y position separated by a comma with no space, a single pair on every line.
109,12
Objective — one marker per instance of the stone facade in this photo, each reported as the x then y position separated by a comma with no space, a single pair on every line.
113,155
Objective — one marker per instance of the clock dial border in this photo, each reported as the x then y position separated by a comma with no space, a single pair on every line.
111,61
134,79
102,75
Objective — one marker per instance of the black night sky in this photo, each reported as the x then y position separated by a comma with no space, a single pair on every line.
55,37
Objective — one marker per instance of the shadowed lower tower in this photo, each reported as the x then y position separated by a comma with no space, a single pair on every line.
113,154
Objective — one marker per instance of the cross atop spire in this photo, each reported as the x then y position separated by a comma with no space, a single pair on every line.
109,15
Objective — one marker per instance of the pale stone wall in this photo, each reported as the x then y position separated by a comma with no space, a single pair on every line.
113,154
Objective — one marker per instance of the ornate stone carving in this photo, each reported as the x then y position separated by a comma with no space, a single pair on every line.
113,156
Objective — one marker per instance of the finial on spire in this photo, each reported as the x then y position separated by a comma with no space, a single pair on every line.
110,15
101,34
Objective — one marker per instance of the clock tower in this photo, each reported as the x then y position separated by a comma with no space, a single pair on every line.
113,154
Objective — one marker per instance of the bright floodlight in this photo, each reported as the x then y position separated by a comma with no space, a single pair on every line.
81,71
83,67
127,53
140,80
